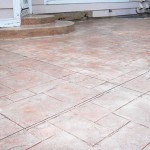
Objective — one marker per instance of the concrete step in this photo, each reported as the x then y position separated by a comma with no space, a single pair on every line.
26,31
37,19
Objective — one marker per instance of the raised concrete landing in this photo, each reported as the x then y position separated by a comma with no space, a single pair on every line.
37,26
37,19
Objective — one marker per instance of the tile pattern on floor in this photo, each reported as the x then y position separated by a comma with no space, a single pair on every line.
11,128
116,98
34,109
87,90
142,106
128,137
85,130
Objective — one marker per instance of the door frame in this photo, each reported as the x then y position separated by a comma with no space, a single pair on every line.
27,9
29,6
15,20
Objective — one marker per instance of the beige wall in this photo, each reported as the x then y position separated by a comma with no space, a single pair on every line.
39,7
6,9
97,9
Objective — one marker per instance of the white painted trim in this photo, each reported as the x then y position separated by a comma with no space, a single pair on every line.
12,22
81,1
30,6
115,12
41,9
16,20
27,6
45,2
17,8
26,9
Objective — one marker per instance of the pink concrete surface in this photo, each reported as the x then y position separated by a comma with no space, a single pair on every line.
86,90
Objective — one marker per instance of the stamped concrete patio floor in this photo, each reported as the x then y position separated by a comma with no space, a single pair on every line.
86,90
